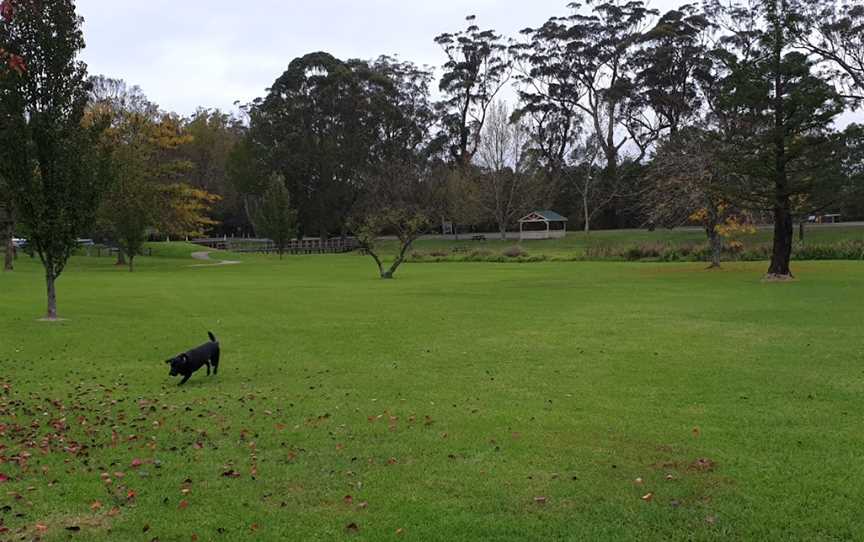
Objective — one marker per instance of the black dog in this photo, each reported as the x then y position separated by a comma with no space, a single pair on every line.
191,361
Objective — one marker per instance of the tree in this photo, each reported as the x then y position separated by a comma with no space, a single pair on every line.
506,190
835,33
596,190
315,128
668,66
129,209
46,156
597,52
213,135
7,230
274,217
476,70
779,114
686,181
400,199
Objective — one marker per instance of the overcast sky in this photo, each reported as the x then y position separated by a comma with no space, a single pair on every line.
190,53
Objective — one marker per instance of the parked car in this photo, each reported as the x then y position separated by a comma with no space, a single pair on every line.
19,243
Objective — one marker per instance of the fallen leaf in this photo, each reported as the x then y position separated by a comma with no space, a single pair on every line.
348,499
540,500
352,528
3,478
41,527
696,432
231,474
400,532
648,498
638,481
136,463
96,505
73,528
184,504
113,512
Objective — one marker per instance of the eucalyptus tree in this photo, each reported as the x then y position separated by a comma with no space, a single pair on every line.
583,62
477,69
668,66
835,33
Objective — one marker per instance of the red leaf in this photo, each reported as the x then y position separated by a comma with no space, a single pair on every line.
17,64
184,504
3,478
136,463
6,10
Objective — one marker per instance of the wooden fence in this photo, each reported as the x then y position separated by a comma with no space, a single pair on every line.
266,246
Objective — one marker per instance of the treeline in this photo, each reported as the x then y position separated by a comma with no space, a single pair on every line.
720,114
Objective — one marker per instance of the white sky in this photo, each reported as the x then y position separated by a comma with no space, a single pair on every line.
190,53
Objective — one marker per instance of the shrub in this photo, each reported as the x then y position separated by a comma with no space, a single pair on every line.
514,252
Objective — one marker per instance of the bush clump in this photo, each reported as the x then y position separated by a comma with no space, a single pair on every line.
514,252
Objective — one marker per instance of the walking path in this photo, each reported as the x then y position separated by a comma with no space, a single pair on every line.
205,256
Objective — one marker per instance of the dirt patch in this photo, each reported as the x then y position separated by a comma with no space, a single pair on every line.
771,277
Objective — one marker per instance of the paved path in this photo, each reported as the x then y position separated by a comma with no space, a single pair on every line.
205,256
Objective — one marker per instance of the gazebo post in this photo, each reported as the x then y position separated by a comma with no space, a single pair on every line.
548,230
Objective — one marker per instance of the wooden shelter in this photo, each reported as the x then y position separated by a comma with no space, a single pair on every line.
543,225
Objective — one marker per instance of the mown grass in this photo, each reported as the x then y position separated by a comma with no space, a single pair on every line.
483,402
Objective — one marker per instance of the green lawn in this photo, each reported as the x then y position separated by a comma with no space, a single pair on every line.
481,402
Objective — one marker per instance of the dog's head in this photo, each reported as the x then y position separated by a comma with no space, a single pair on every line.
176,364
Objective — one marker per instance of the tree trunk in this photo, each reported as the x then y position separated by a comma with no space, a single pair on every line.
50,280
131,263
784,231
716,242
9,259
587,215
784,227
801,231
121,257
502,228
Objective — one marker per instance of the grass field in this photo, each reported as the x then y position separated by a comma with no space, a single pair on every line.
481,402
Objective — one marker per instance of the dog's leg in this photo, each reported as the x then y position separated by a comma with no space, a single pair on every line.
215,361
207,363
185,379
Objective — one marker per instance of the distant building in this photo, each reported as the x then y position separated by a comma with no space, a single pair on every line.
543,225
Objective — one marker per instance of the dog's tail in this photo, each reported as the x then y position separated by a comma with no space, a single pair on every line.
212,337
